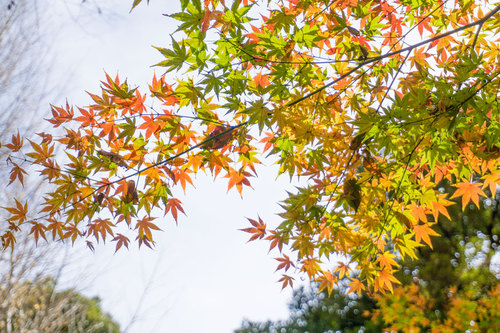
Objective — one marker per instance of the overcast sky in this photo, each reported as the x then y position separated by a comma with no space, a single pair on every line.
203,276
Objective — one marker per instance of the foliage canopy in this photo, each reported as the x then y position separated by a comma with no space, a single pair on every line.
373,104
453,288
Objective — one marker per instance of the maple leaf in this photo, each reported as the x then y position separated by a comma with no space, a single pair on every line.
468,191
144,227
268,141
327,280
422,232
57,228
18,213
343,269
17,173
38,230
285,263
174,206
101,227
73,232
8,240
258,230
275,241
385,279
17,143
439,207
492,181
261,80
120,240
356,287
183,177
90,245
286,280
386,260
310,266
41,152
238,179
61,115
87,118
136,3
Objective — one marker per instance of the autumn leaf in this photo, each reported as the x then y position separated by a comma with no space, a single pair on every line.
385,279
17,213
492,181
16,143
174,206
261,80
136,3
326,281
286,280
386,260
343,269
121,240
356,287
468,191
144,227
422,232
38,230
258,230
284,263
17,173
238,179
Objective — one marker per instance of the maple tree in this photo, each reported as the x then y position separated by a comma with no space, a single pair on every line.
371,104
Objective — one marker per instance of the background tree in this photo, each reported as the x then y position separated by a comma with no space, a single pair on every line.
31,294
450,288
37,306
372,104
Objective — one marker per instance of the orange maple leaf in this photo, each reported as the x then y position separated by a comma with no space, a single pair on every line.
327,280
145,226
18,213
422,232
38,230
356,286
385,279
386,260
468,191
174,206
261,80
238,179
17,143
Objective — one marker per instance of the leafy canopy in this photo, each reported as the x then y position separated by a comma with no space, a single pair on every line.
370,103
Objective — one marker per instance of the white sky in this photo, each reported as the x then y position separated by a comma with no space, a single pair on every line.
202,276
